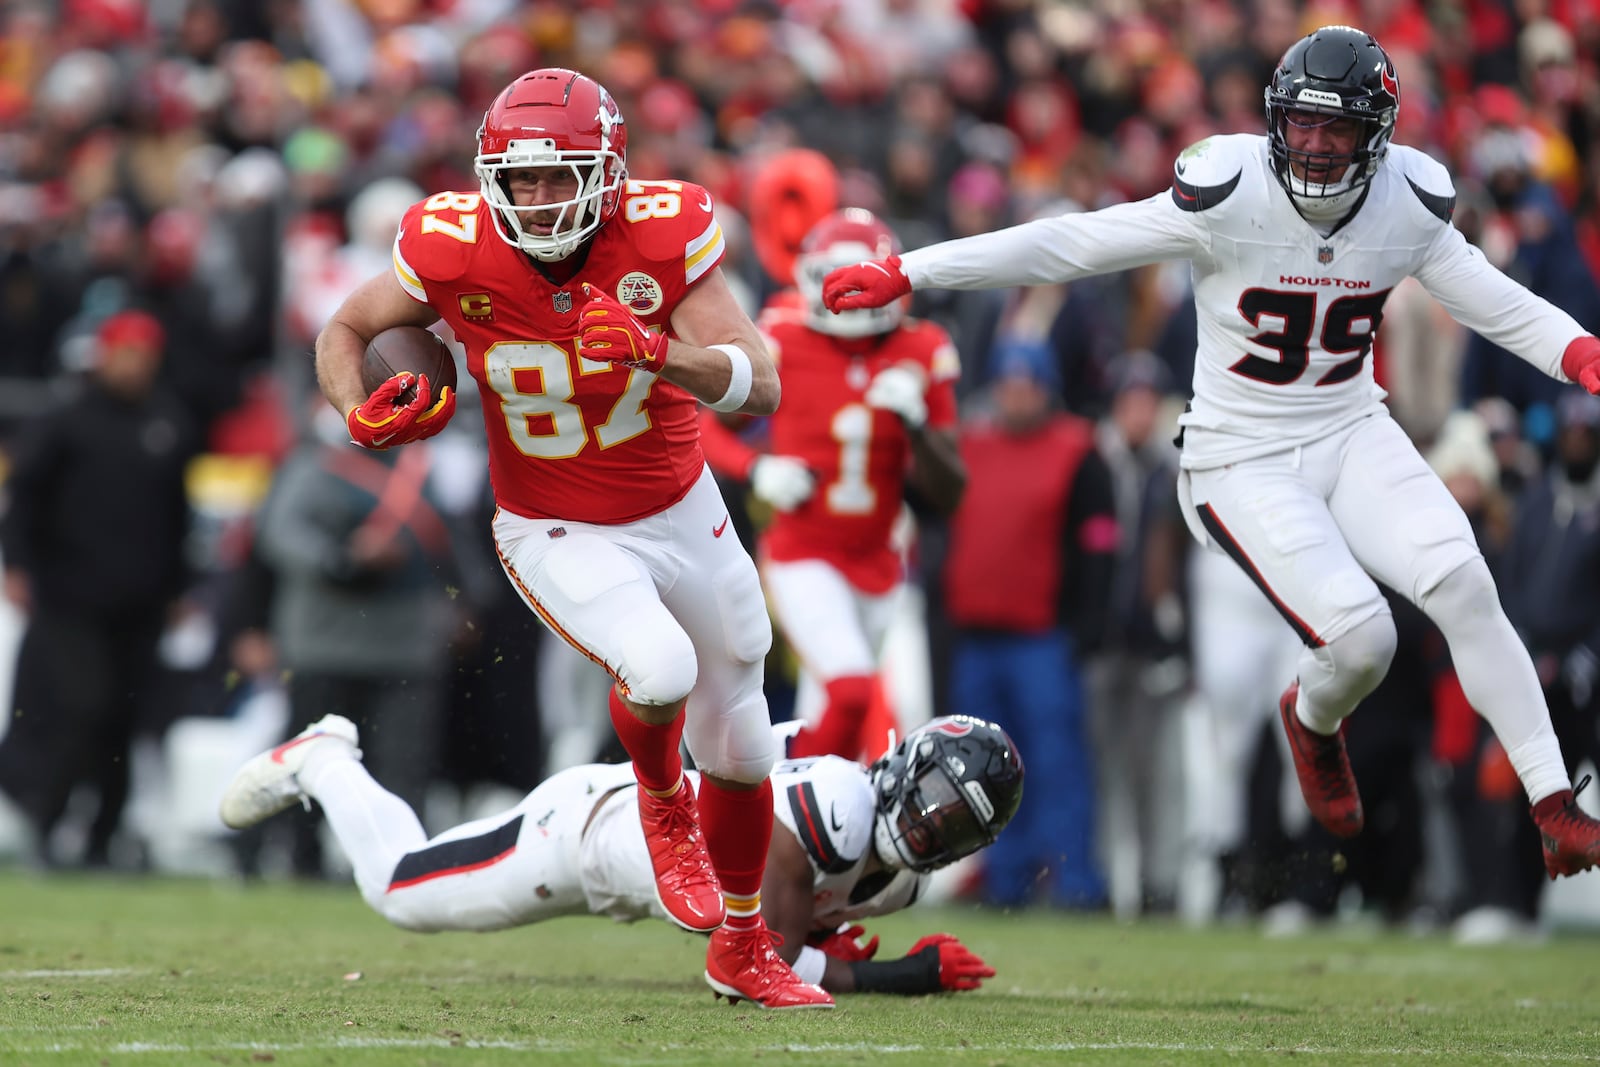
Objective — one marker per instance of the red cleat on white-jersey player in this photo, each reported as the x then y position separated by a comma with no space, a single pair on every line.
849,843
1291,462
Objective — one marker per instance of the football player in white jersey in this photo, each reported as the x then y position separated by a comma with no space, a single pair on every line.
1291,464
849,842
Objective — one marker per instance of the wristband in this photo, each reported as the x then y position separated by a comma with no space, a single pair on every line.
810,965
909,976
739,379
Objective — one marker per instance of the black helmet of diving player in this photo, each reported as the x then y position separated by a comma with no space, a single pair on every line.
1335,72
944,792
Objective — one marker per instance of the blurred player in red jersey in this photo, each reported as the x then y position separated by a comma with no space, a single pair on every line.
869,401
595,318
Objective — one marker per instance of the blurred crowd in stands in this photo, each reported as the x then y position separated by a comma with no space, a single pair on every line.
200,182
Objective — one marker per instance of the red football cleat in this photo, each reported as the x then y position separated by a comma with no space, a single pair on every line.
1571,838
741,965
686,883
1323,768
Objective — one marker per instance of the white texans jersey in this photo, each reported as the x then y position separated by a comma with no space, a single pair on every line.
826,803
1286,313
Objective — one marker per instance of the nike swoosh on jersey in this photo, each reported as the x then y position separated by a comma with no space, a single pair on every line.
706,203
295,742
808,827
833,818
716,531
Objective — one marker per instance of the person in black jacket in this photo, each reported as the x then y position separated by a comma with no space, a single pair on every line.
92,538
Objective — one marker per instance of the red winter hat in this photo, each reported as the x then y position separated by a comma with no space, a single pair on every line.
131,329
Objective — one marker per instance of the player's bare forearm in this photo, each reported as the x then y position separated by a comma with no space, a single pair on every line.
339,350
376,305
786,902
706,372
937,470
837,977
710,315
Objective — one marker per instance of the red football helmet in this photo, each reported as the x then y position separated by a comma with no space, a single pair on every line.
554,117
840,239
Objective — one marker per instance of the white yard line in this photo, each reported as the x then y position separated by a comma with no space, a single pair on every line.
151,1048
95,972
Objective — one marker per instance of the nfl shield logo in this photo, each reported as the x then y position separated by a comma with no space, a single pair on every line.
563,301
1324,256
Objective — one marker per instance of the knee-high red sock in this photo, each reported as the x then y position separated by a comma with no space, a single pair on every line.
653,749
738,828
838,731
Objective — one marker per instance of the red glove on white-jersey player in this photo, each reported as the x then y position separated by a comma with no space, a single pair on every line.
959,966
610,332
844,943
383,421
870,284
1581,363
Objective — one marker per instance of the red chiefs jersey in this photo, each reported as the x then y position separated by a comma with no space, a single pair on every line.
569,438
859,455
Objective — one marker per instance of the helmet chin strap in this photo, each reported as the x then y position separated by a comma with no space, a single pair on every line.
1326,208
1327,213
564,244
883,845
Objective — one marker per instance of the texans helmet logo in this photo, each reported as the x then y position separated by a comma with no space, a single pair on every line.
1391,84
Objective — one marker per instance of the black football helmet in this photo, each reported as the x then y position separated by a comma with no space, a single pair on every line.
1335,71
945,791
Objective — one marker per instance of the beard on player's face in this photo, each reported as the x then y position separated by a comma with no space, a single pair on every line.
543,197
1319,171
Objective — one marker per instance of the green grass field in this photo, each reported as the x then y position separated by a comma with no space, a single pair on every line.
155,972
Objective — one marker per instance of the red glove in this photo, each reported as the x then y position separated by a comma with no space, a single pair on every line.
959,966
385,420
610,332
1581,363
844,943
871,284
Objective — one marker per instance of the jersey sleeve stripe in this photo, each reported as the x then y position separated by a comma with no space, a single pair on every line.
703,253
408,277
1200,197
808,825
456,857
1442,207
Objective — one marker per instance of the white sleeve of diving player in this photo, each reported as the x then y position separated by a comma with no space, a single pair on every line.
1061,248
1484,300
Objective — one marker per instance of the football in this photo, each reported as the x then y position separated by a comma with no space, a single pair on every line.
408,348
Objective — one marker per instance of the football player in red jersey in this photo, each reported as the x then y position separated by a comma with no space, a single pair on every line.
869,401
595,318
